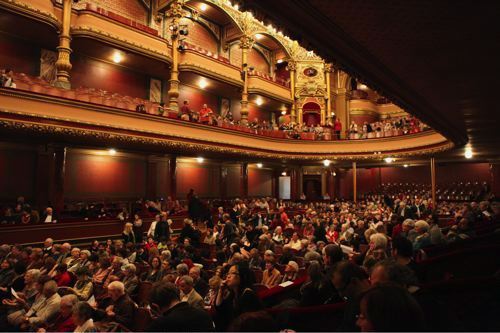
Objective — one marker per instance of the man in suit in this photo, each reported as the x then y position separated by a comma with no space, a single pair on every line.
188,294
200,285
49,216
176,316
121,309
46,310
404,211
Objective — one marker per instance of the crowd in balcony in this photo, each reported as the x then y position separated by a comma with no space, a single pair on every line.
223,269
332,130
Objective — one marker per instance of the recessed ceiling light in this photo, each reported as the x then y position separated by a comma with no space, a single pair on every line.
389,159
202,83
258,36
326,163
259,165
279,61
203,7
283,173
112,151
200,159
259,101
468,152
117,57
406,165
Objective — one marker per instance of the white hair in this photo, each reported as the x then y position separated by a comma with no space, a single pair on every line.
117,285
380,240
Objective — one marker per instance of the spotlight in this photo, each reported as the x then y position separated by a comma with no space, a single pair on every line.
326,163
468,152
200,159
182,47
202,83
117,57
183,31
259,165
112,151
389,159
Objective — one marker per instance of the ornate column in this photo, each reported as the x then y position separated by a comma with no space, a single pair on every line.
354,180
246,43
299,111
244,180
63,64
292,68
433,182
328,96
341,99
175,12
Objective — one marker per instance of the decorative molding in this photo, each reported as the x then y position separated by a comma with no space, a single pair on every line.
28,10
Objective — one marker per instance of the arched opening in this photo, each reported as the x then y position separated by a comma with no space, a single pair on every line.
311,114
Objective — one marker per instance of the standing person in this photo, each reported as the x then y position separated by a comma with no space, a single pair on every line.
128,234
185,111
337,128
137,229
205,114
162,229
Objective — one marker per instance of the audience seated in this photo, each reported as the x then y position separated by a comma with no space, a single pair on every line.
246,269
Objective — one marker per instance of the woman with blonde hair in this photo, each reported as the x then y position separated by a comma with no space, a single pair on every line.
128,233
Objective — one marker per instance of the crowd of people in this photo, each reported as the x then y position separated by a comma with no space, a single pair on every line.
406,125
7,78
208,276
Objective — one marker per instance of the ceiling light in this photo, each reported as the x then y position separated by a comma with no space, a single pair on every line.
326,163
405,165
236,6
334,174
279,61
468,152
283,112
117,57
202,83
259,101
112,151
389,159
200,159
259,165
283,173
258,36
203,7
362,86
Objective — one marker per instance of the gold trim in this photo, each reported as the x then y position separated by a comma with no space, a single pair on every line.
363,112
25,9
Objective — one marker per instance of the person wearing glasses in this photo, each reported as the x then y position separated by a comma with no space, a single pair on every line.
235,296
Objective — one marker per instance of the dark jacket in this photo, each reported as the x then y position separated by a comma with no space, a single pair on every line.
182,317
161,231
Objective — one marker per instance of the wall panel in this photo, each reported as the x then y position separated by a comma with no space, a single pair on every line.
104,176
260,182
203,178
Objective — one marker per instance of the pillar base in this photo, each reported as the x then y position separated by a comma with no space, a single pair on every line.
62,85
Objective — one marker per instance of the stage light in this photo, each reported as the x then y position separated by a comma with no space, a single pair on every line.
200,159
389,159
203,7
202,83
326,163
259,165
468,152
112,151
117,57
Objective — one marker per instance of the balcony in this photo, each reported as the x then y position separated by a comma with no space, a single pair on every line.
259,83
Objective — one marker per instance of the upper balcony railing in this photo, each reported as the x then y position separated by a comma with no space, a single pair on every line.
115,100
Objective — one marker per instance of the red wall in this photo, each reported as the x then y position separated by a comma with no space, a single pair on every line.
254,111
132,9
260,182
94,176
91,73
203,178
20,56
197,98
202,37
233,180
257,60
17,170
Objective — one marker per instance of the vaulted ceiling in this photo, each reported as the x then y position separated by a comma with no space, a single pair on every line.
440,60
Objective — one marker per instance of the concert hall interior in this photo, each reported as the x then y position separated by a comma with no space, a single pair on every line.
249,165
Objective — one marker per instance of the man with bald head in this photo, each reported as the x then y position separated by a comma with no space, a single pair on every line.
47,246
